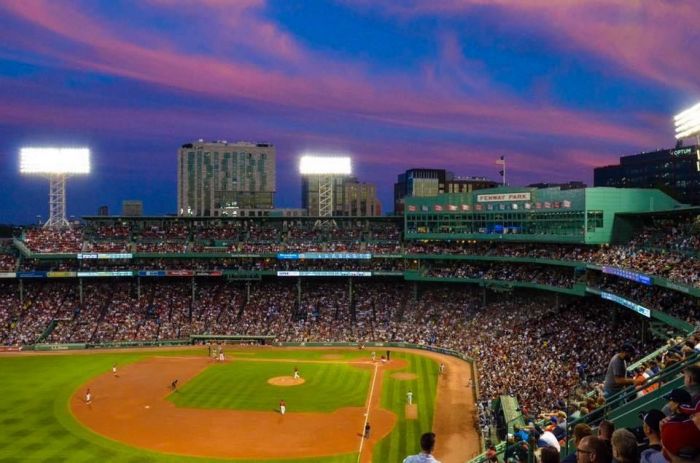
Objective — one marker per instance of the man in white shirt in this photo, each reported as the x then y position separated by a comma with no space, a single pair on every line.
427,443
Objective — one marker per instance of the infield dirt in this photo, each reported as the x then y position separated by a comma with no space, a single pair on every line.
133,409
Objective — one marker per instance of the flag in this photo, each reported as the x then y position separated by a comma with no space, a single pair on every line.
566,204
501,161
466,207
538,205
557,204
547,205
424,208
478,207
528,205
411,208
438,208
452,207
515,206
502,207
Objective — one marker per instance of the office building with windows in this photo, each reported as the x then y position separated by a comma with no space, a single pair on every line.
675,171
219,179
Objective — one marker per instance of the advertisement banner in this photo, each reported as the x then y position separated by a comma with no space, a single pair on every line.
60,274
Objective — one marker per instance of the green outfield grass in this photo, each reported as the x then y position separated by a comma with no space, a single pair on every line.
405,438
243,385
36,424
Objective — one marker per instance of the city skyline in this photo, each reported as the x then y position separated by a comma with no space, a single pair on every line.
557,89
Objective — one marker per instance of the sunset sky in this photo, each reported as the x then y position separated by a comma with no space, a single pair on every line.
555,86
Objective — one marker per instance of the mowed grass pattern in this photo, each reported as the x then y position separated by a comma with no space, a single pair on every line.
405,437
242,385
36,424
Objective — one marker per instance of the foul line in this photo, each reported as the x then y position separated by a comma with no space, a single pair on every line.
369,404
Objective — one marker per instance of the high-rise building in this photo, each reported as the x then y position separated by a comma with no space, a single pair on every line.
132,208
223,179
350,197
433,182
103,211
675,171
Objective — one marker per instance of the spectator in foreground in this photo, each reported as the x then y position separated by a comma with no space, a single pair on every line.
549,455
691,382
651,427
427,444
680,436
676,398
624,446
592,449
581,430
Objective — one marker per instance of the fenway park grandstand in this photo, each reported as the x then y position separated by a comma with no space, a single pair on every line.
539,288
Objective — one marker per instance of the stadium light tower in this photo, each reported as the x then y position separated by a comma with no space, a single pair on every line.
687,123
57,164
325,169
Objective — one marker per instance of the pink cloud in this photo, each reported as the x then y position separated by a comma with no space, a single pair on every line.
316,84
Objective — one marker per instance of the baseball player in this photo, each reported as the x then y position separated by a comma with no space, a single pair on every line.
367,429
373,356
296,373
409,397
173,385
221,355
114,370
88,397
442,368
283,407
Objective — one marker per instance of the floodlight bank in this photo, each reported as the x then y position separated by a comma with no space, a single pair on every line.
54,161
325,165
687,123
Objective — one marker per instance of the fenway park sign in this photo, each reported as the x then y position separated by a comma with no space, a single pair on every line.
503,197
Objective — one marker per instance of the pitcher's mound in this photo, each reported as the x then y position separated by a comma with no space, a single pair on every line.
285,381
404,376
412,412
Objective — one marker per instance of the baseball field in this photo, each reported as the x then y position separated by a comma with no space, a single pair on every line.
230,410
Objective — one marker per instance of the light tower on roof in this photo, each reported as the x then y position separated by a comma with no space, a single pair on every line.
325,169
57,164
687,123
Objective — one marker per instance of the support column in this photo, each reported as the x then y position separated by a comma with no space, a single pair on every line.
80,289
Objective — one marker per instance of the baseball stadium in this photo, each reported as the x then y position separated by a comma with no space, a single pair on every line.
478,317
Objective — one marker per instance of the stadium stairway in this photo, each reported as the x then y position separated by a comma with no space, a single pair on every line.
47,331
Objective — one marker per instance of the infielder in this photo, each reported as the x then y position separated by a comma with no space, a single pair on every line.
296,373
88,397
409,397
283,407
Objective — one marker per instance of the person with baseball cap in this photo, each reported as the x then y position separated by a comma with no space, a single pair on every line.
651,422
616,376
676,398
680,436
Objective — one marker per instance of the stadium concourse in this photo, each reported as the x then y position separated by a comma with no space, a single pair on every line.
528,313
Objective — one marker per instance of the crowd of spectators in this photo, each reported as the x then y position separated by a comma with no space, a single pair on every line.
663,247
538,274
522,340
672,302
46,240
